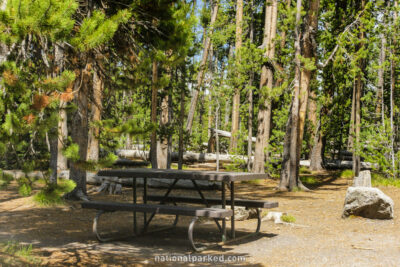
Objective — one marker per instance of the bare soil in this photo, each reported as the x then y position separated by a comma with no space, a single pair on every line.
62,235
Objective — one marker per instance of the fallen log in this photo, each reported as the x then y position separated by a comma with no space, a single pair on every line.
227,134
187,156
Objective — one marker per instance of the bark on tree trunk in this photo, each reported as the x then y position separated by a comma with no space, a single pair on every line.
310,51
95,115
153,137
381,82
57,160
181,118
357,105
250,97
316,157
79,135
200,75
236,96
290,165
266,80
163,145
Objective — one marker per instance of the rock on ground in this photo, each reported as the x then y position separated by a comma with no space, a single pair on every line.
367,202
363,179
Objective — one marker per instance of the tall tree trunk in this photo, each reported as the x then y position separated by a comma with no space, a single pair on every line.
266,80
200,75
79,134
350,141
289,173
316,155
153,116
181,118
357,104
392,88
236,96
381,82
163,144
250,96
57,160
309,52
95,115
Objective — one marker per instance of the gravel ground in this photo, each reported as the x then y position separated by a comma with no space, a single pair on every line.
62,235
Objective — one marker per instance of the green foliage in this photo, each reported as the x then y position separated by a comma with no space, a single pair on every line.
347,174
16,251
288,218
304,170
71,152
379,179
24,190
309,180
52,194
5,179
98,29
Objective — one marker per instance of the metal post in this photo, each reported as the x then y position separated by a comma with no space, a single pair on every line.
223,206
144,199
233,209
134,202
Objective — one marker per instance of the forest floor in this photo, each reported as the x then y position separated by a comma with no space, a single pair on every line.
62,235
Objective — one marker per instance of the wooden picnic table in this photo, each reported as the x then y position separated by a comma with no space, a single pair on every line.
226,178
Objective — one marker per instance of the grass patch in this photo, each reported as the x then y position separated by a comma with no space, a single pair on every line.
20,255
310,180
288,218
378,179
347,174
52,194
255,181
304,170
25,190
5,179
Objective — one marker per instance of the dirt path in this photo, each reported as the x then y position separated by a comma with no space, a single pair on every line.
320,237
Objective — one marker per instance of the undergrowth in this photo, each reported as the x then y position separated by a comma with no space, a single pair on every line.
347,174
5,179
20,255
378,179
288,218
52,194
310,180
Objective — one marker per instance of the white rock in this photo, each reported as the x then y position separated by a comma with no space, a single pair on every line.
274,216
363,179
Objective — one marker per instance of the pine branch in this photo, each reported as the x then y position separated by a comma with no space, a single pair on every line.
348,27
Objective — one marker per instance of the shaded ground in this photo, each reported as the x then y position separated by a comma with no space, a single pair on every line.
320,237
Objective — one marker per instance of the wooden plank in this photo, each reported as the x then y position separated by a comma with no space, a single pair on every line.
160,209
216,201
182,174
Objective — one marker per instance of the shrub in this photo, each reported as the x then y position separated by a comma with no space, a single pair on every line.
288,218
379,179
52,194
309,180
347,174
24,190
304,170
5,179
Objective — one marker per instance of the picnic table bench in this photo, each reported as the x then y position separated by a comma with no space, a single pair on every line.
218,214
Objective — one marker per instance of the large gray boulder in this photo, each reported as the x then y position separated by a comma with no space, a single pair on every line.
367,202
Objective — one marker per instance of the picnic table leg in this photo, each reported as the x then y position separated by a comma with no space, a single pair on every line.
233,209
162,202
144,199
205,202
134,202
223,206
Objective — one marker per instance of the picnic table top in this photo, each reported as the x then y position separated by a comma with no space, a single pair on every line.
182,174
